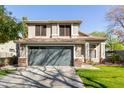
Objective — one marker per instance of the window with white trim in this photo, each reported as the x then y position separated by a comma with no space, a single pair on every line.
40,30
65,30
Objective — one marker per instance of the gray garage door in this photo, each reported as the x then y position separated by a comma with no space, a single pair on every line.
50,55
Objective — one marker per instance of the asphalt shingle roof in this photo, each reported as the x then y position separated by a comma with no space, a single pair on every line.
78,40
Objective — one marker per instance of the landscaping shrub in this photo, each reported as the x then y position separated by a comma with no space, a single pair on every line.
116,58
7,61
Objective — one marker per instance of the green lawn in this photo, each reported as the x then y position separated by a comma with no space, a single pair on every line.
5,72
106,77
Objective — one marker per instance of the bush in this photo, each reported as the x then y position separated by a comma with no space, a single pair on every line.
7,61
116,58
2,64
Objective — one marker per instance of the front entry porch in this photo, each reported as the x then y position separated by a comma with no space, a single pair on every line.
90,52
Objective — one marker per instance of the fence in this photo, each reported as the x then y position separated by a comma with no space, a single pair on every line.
119,52
6,54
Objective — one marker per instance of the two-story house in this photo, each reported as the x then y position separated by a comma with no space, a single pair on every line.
59,43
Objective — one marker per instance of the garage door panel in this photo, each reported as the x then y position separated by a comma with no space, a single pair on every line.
38,57
34,56
53,56
49,56
58,58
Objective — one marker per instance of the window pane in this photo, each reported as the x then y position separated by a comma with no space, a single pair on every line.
93,53
92,50
68,30
37,30
65,30
61,30
43,30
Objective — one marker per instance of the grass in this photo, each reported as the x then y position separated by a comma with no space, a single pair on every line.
5,72
106,77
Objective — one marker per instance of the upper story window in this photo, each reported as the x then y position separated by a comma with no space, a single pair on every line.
40,30
65,30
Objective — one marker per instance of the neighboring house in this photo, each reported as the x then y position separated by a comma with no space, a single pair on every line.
59,43
8,49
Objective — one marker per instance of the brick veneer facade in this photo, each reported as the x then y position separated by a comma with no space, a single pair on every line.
22,62
78,62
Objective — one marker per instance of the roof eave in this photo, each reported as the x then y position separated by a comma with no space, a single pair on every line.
53,21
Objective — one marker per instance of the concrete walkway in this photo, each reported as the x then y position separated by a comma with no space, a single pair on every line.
42,77
87,66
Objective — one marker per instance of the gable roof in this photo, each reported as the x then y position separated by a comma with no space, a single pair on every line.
82,34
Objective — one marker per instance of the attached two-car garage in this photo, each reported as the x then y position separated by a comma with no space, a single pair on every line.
50,55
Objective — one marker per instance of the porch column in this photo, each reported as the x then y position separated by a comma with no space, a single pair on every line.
102,51
87,55
22,60
98,52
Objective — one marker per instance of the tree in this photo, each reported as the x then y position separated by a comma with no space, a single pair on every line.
116,18
112,42
9,27
24,28
99,34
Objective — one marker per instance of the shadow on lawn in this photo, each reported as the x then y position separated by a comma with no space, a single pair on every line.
28,80
97,84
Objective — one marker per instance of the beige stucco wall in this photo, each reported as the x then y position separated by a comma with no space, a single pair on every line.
79,52
31,31
23,56
5,49
23,51
49,30
103,50
75,30
53,31
87,45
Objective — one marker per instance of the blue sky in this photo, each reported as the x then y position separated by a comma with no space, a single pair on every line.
93,17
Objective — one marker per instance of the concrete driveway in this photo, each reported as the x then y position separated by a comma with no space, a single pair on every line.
42,77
